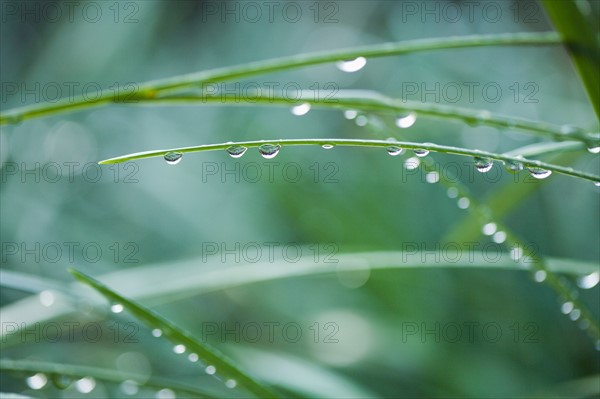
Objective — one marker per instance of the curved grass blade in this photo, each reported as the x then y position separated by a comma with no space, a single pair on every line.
152,88
208,354
100,374
362,143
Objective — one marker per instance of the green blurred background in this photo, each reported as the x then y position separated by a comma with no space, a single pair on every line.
166,217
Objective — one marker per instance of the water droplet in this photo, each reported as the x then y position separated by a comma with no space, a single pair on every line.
179,348
47,298
269,151
328,146
483,165
567,307
165,393
157,332
575,314
421,152
406,121
538,173
452,192
489,229
513,166
352,65
210,370
230,384
393,150
540,275
61,381
301,109
129,387
463,203
236,151
85,385
192,357
432,177
499,237
116,308
594,150
589,281
173,158
412,163
37,381
350,114
361,120
597,183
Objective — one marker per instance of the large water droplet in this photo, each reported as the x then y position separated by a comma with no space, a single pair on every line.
352,65
406,121
499,237
179,348
37,381
483,165
192,357
463,203
421,152
538,173
165,393
85,385
350,114
575,314
432,177
589,281
210,370
513,166
597,183
173,158
489,229
269,151
567,307
594,150
540,275
116,308
301,109
157,332
236,151
393,150
361,120
230,384
47,298
328,146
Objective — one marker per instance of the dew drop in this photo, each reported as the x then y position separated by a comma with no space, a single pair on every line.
328,146
157,332
432,177
350,114
236,151
192,357
46,298
269,151
61,381
513,166
567,307
452,192
589,281
352,65
361,120
37,381
540,275
210,370
499,237
406,121
301,109
483,165
463,203
594,150
412,163
116,308
489,229
393,150
85,385
129,387
173,158
538,173
421,152
179,348
165,393
230,384
597,183
575,314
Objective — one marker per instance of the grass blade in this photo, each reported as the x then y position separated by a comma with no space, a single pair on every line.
210,355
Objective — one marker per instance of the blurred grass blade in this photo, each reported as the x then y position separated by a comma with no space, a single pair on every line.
151,89
211,356
582,40
100,374
361,143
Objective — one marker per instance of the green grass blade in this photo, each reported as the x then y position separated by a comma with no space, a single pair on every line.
101,374
152,88
362,143
582,41
225,367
